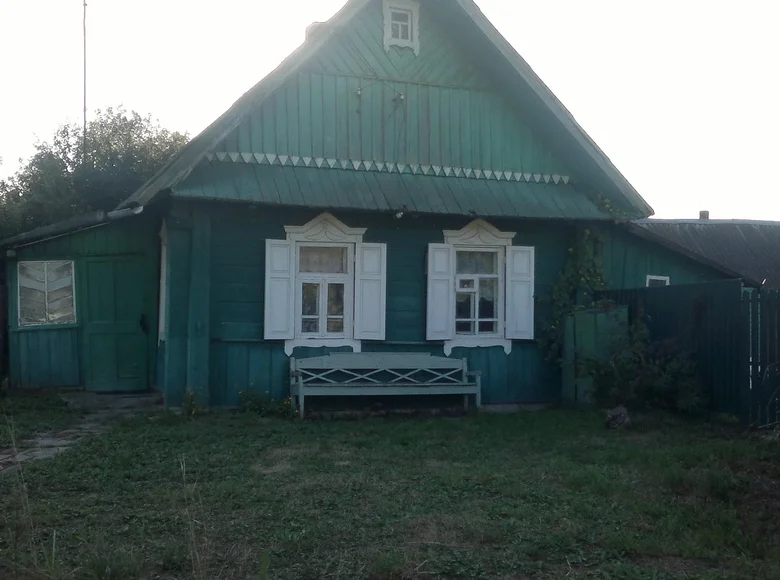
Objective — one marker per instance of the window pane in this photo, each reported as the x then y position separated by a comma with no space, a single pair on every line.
477,263
59,292
32,293
335,325
404,32
335,299
464,327
323,260
310,300
464,305
488,327
488,296
466,284
400,17
395,31
310,325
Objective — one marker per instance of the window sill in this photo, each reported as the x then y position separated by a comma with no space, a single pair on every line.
476,342
290,345
45,327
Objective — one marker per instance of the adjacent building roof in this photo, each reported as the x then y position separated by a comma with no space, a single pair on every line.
750,248
381,191
582,152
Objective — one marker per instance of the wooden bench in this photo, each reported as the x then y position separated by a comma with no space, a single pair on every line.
354,374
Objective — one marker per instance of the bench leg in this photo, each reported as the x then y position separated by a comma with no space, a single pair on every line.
465,403
479,399
300,405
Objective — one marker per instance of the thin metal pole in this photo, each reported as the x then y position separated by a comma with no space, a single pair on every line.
84,26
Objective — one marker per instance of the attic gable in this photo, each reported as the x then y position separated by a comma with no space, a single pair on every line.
521,91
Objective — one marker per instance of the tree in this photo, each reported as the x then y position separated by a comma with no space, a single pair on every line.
62,179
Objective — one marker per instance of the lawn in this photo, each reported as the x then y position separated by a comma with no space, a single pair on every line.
535,495
24,416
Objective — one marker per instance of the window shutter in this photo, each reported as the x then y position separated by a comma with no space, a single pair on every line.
519,293
370,291
279,290
441,293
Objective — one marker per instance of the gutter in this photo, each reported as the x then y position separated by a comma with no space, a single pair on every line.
69,226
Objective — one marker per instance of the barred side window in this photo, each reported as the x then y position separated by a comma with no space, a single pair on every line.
46,293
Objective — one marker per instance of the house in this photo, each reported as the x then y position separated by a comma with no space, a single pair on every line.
403,182
747,247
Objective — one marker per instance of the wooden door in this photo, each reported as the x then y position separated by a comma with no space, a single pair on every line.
115,353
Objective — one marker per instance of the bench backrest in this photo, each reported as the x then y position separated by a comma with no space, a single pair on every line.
380,368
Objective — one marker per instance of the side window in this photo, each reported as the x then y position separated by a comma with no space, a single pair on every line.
480,289
402,24
46,293
653,281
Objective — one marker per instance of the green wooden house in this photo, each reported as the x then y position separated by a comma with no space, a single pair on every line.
403,182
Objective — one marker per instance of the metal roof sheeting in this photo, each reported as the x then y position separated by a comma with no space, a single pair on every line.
375,191
747,247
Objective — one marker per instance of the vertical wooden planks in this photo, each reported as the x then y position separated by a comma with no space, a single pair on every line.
305,123
198,334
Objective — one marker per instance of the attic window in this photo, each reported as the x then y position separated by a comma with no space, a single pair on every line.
401,24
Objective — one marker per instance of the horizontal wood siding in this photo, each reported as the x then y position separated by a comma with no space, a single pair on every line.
53,357
628,259
242,360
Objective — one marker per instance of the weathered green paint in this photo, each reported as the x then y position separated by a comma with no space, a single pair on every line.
588,335
52,356
387,192
198,335
629,259
356,101
115,325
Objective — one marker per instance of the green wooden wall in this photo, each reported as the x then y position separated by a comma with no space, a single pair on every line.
356,101
52,356
629,259
227,294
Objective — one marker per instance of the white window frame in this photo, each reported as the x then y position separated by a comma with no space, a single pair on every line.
480,236
653,278
499,275
21,324
413,9
324,230
324,279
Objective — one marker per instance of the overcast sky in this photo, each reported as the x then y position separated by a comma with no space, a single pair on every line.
682,95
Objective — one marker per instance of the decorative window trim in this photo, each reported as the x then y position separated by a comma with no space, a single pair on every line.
410,6
653,278
325,228
478,233
365,298
47,323
481,235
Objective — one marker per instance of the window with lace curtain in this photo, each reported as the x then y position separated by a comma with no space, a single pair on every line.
402,19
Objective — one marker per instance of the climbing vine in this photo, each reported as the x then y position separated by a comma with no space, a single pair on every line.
581,277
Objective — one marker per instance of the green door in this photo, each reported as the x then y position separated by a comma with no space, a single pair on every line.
115,353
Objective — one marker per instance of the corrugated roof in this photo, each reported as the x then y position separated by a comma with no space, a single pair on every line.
375,191
750,248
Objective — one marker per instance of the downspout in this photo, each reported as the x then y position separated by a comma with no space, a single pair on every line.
123,213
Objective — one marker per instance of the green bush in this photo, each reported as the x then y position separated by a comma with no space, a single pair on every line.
265,406
643,374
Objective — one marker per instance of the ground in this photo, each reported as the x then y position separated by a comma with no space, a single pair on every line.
536,495
23,416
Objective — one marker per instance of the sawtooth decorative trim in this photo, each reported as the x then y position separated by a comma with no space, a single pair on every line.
384,167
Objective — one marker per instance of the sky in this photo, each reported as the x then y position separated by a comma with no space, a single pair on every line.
682,95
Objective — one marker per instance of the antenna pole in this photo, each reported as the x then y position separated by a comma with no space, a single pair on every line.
84,28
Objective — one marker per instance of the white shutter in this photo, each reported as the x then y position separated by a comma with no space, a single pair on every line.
519,293
441,293
370,291
279,290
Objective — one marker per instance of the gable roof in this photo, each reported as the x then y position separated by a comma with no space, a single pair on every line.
594,165
749,248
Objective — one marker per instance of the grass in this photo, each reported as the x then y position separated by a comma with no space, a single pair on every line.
24,416
545,495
